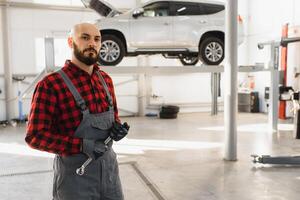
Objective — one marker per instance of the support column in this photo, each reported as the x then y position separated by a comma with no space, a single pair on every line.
7,64
141,82
230,114
142,86
215,77
49,54
274,91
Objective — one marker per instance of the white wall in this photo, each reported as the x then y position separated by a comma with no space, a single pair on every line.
27,25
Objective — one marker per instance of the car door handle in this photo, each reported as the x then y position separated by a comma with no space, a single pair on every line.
166,24
202,22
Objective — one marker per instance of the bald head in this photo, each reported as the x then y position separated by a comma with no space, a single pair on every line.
78,28
85,41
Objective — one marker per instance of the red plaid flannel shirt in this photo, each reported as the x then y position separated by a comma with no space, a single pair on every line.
54,115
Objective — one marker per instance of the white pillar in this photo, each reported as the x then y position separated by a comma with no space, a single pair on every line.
142,61
274,91
215,77
230,110
7,64
49,54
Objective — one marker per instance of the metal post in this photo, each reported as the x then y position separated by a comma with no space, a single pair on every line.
274,83
141,83
49,54
7,63
214,92
142,86
230,110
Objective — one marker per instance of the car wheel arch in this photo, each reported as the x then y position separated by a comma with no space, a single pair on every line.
116,33
218,34
213,56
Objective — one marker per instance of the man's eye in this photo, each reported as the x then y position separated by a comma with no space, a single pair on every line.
85,37
97,40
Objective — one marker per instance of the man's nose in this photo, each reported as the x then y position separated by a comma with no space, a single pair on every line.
92,43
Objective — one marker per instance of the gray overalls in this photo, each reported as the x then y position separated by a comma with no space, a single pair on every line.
101,178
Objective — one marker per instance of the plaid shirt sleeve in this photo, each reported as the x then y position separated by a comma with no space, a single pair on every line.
42,133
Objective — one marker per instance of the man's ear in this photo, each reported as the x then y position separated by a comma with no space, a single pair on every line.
70,42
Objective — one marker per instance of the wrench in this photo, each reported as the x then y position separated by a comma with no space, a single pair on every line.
107,140
80,170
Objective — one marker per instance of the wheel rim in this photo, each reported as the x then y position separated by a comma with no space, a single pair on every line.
110,51
189,60
214,52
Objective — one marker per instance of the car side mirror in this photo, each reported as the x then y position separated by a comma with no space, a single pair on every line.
137,12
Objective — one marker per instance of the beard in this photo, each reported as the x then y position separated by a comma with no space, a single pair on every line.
90,59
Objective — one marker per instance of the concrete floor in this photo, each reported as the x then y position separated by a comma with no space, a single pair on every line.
179,159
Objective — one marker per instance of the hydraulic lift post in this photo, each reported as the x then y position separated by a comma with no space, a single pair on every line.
294,96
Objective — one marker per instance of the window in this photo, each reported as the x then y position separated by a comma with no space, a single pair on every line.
181,9
212,8
158,9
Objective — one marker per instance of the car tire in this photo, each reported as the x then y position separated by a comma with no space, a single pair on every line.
189,60
112,50
169,109
211,51
167,115
168,112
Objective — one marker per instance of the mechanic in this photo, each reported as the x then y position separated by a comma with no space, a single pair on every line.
74,115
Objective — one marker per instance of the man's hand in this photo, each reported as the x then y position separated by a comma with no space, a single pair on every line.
93,149
119,131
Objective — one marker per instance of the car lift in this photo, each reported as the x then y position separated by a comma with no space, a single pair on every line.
285,94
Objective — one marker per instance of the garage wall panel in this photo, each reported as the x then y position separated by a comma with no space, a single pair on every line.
185,88
296,12
266,18
23,51
1,45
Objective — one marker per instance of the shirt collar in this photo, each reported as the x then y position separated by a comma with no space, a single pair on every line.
76,70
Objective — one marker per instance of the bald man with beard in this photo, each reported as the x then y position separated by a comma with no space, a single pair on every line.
74,115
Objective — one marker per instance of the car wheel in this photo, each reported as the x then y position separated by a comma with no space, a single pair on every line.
112,50
189,60
212,51
168,112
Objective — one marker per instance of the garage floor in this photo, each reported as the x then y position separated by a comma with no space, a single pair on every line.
178,159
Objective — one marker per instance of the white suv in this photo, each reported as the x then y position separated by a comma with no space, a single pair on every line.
184,29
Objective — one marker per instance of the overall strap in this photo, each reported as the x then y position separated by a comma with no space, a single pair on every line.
79,100
109,98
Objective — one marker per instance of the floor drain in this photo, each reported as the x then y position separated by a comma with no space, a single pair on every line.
146,180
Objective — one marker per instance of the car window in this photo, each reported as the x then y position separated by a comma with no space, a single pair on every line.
186,8
212,8
157,9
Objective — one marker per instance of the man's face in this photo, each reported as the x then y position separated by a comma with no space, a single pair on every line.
88,56
86,45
